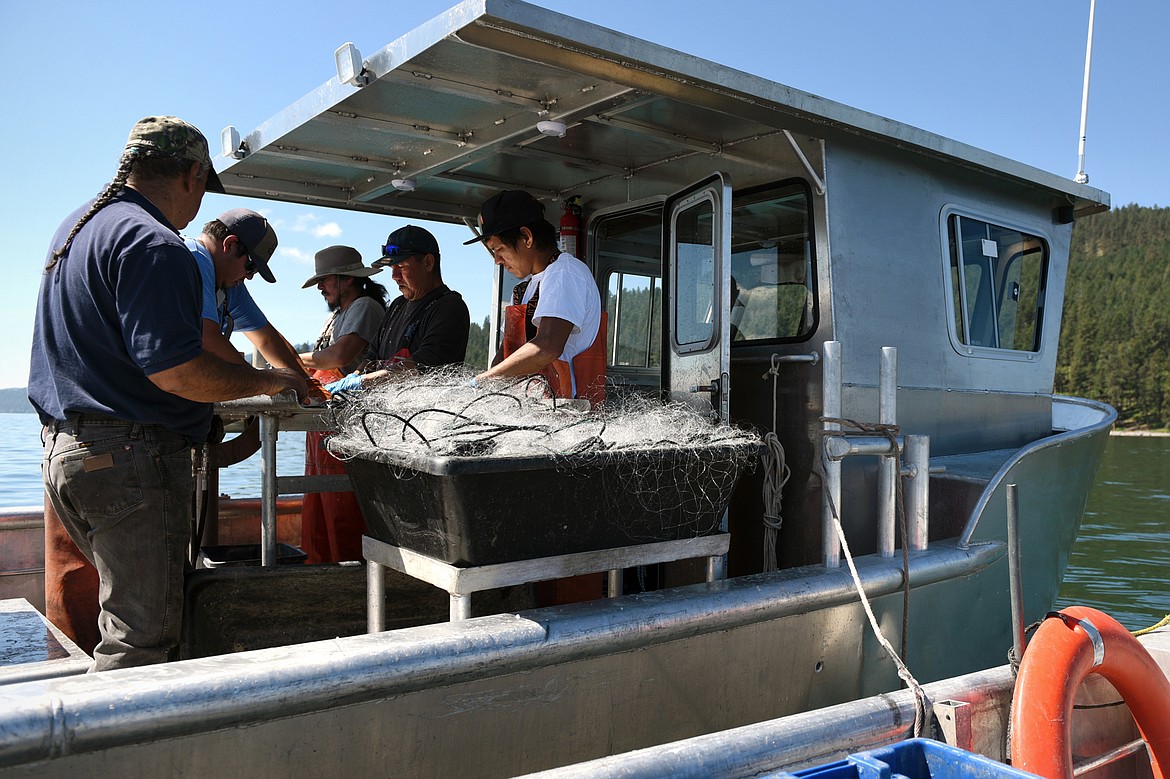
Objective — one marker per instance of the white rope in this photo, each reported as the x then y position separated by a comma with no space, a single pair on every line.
921,701
776,475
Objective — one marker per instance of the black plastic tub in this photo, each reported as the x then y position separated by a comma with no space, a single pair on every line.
485,510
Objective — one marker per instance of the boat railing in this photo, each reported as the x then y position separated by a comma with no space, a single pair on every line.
881,440
1072,419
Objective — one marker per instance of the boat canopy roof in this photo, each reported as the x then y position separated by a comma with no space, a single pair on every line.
451,113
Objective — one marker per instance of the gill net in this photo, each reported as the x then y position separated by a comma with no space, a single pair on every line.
645,457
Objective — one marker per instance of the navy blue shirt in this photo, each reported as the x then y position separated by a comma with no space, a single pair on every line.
123,304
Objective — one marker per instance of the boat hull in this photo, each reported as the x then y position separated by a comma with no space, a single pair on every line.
581,681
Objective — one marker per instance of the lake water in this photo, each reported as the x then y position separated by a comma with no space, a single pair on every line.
1121,561
20,464
1120,564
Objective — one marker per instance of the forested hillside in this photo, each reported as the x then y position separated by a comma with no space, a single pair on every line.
1116,333
14,400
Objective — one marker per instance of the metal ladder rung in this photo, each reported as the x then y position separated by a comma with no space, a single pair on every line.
1112,756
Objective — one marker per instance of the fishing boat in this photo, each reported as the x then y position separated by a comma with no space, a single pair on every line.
883,301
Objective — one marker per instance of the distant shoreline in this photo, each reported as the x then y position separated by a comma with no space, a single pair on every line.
1142,433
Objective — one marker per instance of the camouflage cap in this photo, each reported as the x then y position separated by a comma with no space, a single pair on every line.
171,135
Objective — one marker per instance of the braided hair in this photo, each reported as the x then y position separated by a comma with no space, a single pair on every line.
144,163
125,165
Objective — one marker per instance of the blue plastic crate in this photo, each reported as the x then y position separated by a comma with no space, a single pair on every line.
917,758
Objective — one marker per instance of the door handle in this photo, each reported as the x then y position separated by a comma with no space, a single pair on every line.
713,388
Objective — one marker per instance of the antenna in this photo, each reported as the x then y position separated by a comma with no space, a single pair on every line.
1082,177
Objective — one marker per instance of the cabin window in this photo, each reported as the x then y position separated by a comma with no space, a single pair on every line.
695,264
998,277
773,294
628,249
634,304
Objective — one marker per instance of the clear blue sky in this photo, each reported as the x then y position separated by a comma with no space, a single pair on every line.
1003,75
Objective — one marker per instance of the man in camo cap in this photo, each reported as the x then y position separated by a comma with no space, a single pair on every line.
124,388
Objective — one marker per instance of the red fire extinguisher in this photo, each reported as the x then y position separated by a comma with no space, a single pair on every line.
570,230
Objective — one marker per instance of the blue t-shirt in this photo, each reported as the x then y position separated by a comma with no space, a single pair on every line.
122,305
233,308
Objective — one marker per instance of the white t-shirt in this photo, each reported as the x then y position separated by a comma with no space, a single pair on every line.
567,291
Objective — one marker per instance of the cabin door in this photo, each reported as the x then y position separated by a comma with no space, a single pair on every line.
696,249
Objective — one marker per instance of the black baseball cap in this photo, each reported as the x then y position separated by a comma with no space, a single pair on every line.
257,236
407,242
508,210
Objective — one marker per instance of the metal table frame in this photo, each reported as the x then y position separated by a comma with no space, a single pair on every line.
460,583
275,413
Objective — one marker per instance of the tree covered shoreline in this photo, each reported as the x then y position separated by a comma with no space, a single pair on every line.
1115,341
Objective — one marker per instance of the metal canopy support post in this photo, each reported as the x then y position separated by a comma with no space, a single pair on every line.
812,173
830,545
460,608
269,430
617,317
889,466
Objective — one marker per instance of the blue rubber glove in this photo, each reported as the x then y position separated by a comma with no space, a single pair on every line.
347,384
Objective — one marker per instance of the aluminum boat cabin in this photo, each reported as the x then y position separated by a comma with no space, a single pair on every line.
885,300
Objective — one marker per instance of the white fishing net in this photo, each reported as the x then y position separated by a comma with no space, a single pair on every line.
644,456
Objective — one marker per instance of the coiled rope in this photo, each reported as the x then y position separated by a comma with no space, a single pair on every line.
776,475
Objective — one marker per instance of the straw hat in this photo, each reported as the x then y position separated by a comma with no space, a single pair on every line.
338,261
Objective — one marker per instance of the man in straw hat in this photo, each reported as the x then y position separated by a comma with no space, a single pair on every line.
331,522
124,388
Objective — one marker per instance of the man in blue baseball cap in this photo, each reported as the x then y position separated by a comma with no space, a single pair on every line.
232,249
427,325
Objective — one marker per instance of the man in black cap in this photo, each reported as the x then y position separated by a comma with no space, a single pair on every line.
124,388
555,325
427,325
232,248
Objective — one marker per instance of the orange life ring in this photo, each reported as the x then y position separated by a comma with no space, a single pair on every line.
1061,654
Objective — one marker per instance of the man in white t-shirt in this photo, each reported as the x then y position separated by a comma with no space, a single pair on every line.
554,325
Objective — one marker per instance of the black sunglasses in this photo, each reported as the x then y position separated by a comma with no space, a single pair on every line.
249,264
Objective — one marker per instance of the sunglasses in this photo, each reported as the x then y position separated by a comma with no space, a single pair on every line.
392,255
249,264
